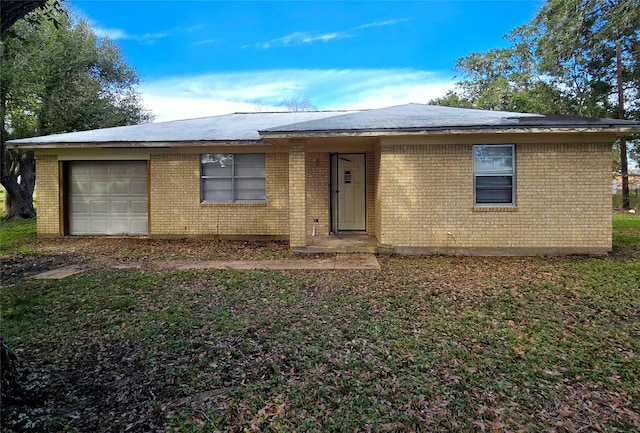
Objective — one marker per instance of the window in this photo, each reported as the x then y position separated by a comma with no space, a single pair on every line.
232,178
494,174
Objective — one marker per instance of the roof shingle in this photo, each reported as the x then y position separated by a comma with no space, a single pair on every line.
248,127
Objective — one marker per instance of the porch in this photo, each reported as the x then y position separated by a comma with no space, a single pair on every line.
340,243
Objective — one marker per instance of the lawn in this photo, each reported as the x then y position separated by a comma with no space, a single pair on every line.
15,234
634,199
430,343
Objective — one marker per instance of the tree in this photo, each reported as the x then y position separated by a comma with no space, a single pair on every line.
298,103
57,76
13,10
576,44
562,62
506,79
452,99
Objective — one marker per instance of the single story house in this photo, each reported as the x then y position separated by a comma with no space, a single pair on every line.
411,178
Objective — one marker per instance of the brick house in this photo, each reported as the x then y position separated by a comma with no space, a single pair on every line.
409,179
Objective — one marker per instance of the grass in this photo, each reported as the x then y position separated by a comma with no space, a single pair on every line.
621,221
427,344
626,229
634,199
16,234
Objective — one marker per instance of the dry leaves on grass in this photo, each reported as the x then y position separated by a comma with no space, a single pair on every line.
428,343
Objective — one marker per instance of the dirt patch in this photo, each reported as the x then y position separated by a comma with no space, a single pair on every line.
87,253
21,265
121,252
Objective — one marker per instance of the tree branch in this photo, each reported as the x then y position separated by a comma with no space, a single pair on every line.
13,10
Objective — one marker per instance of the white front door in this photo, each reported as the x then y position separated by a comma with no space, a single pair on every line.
351,192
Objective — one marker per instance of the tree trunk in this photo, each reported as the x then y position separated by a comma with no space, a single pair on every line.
17,170
18,182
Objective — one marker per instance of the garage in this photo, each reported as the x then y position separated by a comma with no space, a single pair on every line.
107,198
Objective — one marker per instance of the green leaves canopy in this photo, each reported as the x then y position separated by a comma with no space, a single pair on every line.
563,61
58,76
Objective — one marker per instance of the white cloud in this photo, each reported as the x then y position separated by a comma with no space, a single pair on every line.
324,38
383,23
206,42
113,34
174,107
298,38
220,93
397,95
120,34
148,37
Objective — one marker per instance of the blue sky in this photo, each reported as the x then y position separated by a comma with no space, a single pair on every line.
201,58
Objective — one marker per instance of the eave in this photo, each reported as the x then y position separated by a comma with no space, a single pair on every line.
616,131
138,144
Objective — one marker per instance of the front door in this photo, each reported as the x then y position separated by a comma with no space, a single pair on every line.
349,192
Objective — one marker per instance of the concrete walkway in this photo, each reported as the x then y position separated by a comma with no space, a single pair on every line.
58,274
337,262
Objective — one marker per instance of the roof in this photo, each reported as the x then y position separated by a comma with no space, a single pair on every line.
432,118
408,116
228,127
401,119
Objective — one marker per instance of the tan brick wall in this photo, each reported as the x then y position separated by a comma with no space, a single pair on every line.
371,193
377,193
297,194
318,192
562,193
416,195
47,193
175,207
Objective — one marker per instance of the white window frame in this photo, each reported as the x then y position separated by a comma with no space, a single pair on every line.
233,177
478,172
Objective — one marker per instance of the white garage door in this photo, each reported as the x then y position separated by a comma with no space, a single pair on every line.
108,198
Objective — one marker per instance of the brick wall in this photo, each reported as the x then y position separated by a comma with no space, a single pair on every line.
562,191
297,194
175,207
317,166
371,193
377,169
47,187
419,199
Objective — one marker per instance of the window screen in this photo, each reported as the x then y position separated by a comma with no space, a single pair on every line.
230,178
494,174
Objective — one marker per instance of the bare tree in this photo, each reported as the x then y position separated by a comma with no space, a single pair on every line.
298,103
